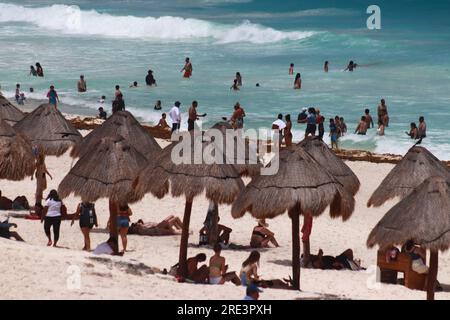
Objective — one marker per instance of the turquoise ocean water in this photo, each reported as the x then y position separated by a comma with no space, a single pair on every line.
407,62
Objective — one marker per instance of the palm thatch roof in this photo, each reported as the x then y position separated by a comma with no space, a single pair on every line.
16,156
124,124
47,128
328,159
423,216
246,163
299,180
416,166
105,172
9,112
194,175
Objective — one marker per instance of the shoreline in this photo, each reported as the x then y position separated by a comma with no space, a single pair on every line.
90,123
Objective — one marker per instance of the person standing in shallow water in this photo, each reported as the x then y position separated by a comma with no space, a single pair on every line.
187,69
52,96
325,66
334,134
81,85
238,79
288,131
291,69
298,81
319,121
39,70
422,128
33,71
193,115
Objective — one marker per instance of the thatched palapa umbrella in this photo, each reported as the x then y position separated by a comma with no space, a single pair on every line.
301,186
334,165
9,112
107,171
124,124
48,130
241,154
424,217
16,156
199,172
417,165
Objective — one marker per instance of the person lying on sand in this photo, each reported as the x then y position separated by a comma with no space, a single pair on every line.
344,261
262,236
5,203
5,233
218,270
168,227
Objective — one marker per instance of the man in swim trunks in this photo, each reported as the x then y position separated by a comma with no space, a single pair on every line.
187,69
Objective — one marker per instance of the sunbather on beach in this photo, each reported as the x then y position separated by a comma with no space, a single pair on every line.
223,233
249,270
6,233
196,274
218,270
344,261
169,226
262,236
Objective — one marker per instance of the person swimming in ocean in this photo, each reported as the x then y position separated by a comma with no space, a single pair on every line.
157,105
187,69
150,79
413,131
239,79
325,66
33,71
39,70
351,66
134,84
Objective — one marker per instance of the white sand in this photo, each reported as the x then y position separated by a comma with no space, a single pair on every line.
32,271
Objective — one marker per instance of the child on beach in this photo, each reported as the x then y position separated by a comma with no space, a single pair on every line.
333,135
52,96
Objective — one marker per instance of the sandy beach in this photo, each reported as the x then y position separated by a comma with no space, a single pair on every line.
33,271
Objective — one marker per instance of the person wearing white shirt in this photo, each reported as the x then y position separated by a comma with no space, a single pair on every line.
52,217
279,125
175,116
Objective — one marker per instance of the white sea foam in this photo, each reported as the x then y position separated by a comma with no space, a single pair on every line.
72,20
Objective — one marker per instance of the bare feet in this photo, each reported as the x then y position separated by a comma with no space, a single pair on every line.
49,243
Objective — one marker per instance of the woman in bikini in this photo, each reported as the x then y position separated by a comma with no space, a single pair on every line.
168,227
187,69
218,270
123,223
262,236
249,270
287,131
41,173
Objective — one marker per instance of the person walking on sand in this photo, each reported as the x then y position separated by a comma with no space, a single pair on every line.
40,173
51,217
88,219
81,85
298,81
368,117
422,128
33,71
187,69
175,116
123,223
291,69
325,67
52,96
39,70
333,134
193,115
361,128
218,269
